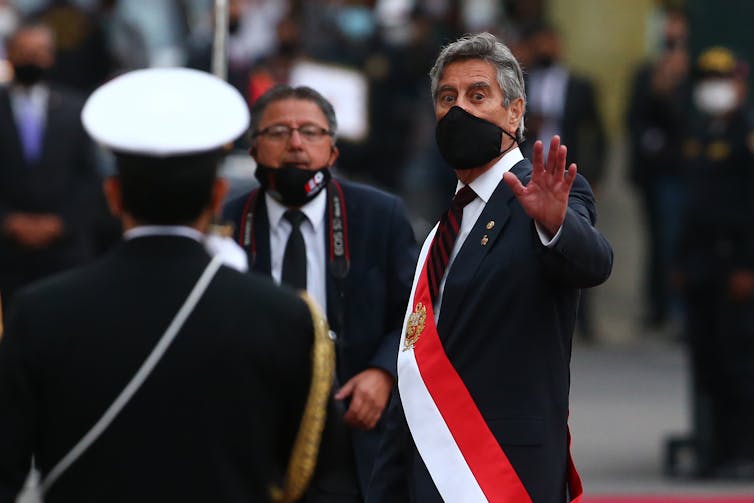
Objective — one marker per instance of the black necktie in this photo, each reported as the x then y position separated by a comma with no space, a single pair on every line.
294,259
445,238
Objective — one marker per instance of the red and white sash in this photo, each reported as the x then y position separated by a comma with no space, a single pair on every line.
462,455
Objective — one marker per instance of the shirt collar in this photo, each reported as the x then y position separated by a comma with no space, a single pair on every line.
38,93
163,230
314,210
486,183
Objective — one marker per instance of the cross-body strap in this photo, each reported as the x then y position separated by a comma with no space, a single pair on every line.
138,379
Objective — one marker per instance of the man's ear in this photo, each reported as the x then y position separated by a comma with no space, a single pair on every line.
113,195
517,112
217,198
334,154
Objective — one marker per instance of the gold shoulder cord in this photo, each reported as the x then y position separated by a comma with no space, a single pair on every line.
303,458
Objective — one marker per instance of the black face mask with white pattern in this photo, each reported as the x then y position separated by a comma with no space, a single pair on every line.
292,186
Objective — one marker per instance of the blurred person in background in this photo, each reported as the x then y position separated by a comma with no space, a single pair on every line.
352,248
253,36
48,178
655,120
82,57
9,19
716,264
276,67
126,44
562,103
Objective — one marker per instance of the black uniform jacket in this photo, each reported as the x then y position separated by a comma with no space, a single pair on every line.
215,420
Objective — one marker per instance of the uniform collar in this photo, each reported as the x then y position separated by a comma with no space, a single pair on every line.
163,230
486,183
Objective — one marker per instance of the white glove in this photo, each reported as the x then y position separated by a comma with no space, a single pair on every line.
230,252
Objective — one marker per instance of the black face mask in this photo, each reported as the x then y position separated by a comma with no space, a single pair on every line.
29,74
468,142
234,25
292,186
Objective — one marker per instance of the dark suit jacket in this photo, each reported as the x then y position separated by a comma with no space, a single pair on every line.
213,422
582,129
506,323
375,292
64,182
656,123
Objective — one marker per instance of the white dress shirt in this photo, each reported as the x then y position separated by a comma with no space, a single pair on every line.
34,99
484,185
313,229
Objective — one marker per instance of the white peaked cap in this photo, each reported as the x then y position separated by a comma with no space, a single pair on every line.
163,112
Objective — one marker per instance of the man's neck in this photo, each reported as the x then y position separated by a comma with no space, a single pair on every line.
466,176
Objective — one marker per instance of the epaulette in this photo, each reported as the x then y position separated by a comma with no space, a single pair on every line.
303,458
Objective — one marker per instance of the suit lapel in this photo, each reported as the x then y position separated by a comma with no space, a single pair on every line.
262,262
478,243
9,125
54,121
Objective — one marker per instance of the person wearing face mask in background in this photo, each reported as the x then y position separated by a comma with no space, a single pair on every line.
563,103
655,121
716,265
481,407
48,177
252,37
351,247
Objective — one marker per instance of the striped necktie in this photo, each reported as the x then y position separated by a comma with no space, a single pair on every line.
445,238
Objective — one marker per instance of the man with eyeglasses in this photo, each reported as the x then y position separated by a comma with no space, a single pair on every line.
351,247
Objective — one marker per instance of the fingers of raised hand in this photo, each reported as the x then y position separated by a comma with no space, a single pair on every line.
558,171
514,183
570,175
538,163
552,154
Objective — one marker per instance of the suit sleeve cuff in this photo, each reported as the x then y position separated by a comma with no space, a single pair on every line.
544,237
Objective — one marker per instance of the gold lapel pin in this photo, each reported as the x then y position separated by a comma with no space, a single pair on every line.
490,224
484,240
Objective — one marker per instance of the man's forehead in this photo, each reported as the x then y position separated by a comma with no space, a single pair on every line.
477,72
477,84
293,109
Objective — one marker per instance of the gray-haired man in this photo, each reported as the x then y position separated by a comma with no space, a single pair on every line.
483,371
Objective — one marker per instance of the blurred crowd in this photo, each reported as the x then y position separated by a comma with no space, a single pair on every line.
370,58
687,122
692,158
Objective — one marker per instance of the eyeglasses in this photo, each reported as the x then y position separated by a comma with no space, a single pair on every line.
280,132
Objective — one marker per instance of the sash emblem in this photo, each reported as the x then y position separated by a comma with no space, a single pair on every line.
415,326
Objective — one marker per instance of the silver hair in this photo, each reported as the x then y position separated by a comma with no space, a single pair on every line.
487,47
284,92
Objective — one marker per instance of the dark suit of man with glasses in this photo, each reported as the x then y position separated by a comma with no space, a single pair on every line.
351,247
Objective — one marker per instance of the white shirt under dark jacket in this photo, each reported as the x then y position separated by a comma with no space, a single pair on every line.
313,230
484,185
